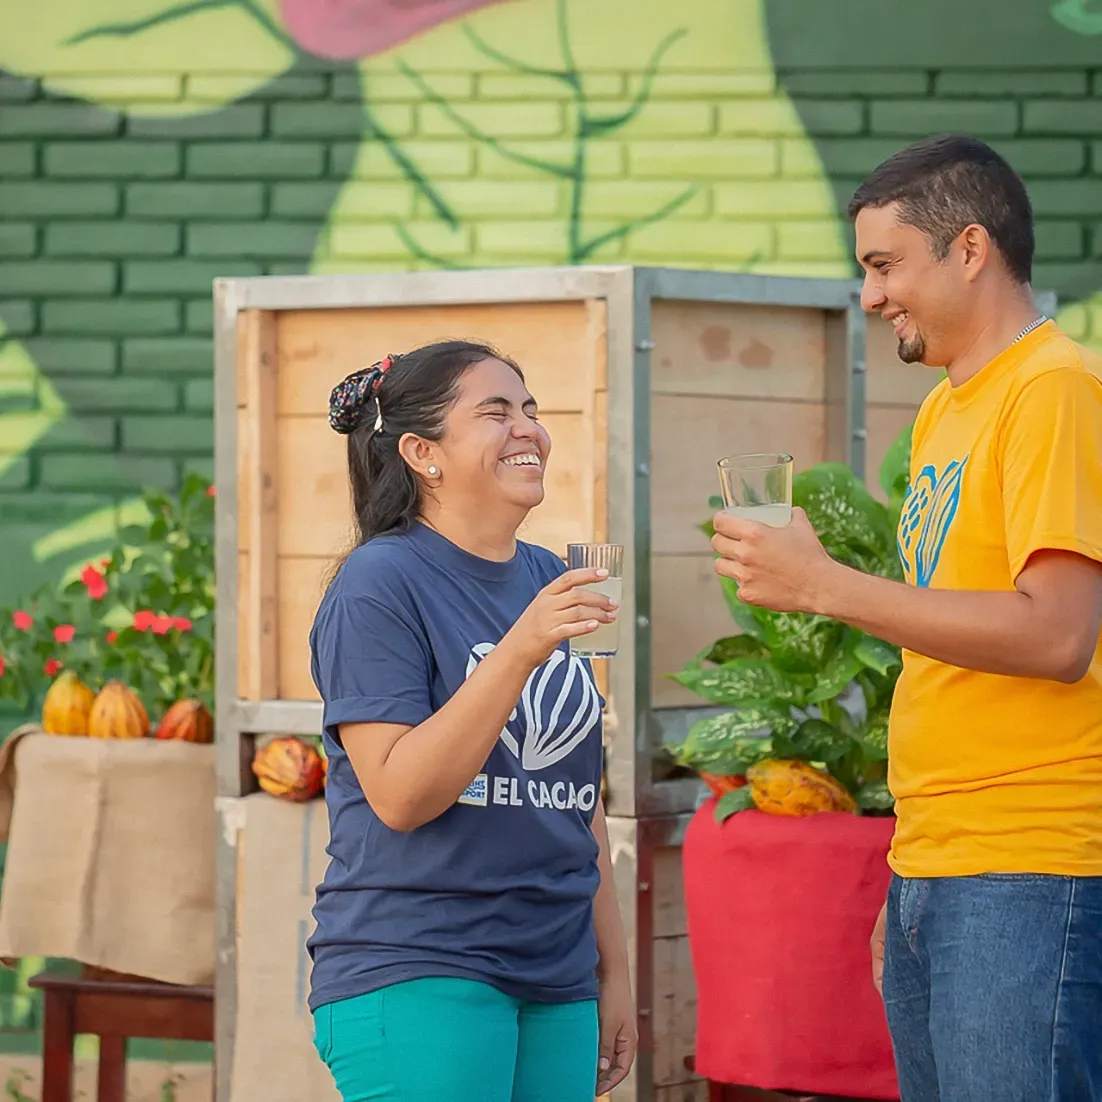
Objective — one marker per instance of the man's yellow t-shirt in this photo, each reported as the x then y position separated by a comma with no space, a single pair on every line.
994,773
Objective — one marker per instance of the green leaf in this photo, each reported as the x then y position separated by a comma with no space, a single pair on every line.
729,744
749,619
874,735
875,796
814,740
895,469
735,646
842,667
800,643
730,803
744,682
877,655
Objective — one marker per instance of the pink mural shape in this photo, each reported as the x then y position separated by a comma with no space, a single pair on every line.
343,30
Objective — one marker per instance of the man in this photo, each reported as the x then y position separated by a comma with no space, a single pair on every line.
991,937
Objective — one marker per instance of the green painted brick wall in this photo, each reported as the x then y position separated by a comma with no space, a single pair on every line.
113,222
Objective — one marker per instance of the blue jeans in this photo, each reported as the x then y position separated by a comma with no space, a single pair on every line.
993,988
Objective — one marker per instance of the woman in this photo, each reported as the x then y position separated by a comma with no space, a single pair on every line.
468,945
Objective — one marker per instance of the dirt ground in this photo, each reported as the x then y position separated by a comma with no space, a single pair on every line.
146,1081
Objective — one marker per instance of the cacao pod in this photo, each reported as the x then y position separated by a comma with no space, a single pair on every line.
720,786
781,787
67,705
187,721
290,769
118,713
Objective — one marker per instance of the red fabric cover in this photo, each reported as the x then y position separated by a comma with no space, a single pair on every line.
779,915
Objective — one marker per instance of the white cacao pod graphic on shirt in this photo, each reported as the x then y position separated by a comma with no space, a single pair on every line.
548,735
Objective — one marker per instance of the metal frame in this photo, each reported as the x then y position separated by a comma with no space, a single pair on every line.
642,814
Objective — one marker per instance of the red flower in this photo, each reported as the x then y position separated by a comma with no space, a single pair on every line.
22,620
181,623
105,563
342,30
1,665
144,620
161,625
112,636
210,490
94,582
52,667
64,633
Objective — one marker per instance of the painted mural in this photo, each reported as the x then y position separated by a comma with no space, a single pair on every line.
148,146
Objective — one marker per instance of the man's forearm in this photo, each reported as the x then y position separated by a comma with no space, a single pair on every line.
993,632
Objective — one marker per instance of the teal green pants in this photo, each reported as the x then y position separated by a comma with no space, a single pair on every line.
451,1040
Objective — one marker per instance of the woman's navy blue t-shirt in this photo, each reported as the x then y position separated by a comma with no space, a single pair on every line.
499,888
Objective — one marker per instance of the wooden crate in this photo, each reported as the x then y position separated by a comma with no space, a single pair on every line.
645,377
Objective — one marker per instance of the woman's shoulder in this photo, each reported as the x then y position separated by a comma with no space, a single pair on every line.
379,570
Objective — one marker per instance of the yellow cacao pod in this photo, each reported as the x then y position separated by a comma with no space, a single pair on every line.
118,713
67,706
781,787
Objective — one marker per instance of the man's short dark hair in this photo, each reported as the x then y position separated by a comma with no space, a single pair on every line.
945,183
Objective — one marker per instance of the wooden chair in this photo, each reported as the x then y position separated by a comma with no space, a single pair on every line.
114,1007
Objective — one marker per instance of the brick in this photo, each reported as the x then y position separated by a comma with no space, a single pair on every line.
202,467
395,87
110,316
17,239
336,120
502,199
1061,197
48,199
529,87
199,317
125,160
708,86
603,159
357,200
16,476
48,119
541,240
126,88
221,88
855,82
371,241
195,200
1012,82
102,472
1063,116
1060,240
256,160
1069,280
726,242
199,395
55,277
713,160
238,120
922,117
502,120
1044,157
370,161
821,239
662,120
112,239
806,269
122,395
801,157
77,434
176,276
168,434
17,89
166,355
1075,321
63,356
791,118
257,239
17,317
16,159
640,198
775,199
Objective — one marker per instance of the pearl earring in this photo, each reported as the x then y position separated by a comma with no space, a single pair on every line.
433,471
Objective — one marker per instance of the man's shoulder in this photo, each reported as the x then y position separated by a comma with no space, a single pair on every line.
1060,360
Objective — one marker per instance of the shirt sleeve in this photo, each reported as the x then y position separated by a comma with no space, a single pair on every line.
1052,468
371,662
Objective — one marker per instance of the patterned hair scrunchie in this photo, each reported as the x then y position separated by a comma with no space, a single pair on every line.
349,398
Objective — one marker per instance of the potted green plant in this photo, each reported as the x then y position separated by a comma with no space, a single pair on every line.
798,687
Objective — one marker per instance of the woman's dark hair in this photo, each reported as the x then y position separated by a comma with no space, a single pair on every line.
945,183
413,394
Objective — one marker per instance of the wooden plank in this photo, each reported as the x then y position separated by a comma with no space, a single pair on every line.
687,613
566,515
246,689
669,893
301,585
674,1010
690,434
694,1091
550,341
738,351
259,360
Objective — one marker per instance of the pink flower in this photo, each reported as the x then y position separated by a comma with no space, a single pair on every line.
343,30
94,582
52,667
22,620
64,633
144,620
210,490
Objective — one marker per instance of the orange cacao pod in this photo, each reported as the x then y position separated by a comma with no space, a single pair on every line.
187,721
782,787
720,786
67,705
290,769
118,713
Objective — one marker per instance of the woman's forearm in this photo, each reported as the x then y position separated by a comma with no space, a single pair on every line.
607,921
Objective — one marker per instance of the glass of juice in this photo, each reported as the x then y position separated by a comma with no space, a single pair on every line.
758,487
605,641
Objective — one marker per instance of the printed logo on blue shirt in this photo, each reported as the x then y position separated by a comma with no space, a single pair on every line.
928,512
